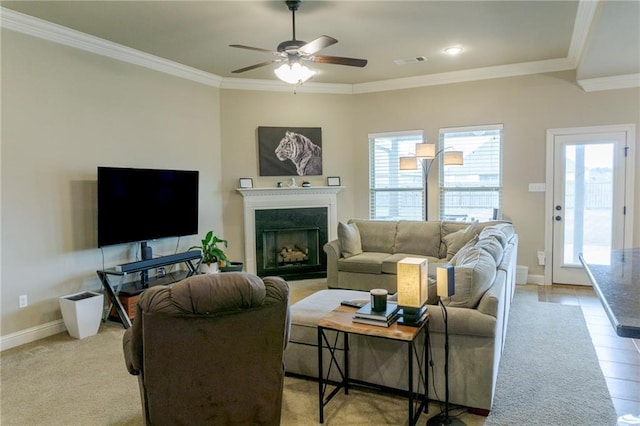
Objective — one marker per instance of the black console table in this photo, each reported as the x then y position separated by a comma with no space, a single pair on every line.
617,284
138,286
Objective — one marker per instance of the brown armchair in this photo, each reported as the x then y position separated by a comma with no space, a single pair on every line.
209,350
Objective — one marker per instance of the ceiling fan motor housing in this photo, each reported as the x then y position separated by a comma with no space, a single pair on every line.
291,46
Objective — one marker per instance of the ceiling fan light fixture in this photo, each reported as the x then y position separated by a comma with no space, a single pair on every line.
294,73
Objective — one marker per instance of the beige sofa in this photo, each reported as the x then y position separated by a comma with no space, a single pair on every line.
366,252
477,317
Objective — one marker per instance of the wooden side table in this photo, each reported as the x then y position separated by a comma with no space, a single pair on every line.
340,321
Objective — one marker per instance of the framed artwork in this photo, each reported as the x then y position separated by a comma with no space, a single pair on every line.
290,151
245,183
333,181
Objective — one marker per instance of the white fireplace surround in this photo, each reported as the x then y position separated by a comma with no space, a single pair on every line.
284,198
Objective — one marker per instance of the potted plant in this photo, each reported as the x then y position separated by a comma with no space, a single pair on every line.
212,255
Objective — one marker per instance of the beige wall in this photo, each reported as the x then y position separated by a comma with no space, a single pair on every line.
64,112
527,106
244,111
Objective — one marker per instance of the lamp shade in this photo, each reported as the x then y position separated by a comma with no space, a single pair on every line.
408,163
453,158
412,282
425,150
445,276
294,73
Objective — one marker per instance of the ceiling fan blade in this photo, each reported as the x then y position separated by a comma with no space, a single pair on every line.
257,49
252,67
353,62
317,45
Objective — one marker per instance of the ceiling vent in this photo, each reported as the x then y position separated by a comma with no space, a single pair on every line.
411,60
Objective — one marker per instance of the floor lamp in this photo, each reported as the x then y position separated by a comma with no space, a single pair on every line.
446,288
425,155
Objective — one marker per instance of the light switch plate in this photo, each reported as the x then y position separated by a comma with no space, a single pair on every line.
537,187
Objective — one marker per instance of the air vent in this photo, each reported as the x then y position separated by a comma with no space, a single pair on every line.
411,60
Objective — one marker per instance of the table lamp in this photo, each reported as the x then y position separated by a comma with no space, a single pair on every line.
412,290
445,276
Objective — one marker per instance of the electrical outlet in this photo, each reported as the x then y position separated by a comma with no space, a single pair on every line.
541,258
23,301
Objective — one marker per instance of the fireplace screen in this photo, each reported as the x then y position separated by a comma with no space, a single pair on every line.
289,242
290,247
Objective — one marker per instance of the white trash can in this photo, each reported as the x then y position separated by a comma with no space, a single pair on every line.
82,313
522,273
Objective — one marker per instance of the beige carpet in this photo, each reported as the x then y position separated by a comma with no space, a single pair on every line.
64,381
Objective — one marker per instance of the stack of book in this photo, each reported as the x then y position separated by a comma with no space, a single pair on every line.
365,315
412,316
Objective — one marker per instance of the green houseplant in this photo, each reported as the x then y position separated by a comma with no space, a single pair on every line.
211,253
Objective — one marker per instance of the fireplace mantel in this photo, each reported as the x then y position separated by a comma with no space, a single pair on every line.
284,198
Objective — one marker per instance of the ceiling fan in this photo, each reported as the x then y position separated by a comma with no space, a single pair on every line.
291,53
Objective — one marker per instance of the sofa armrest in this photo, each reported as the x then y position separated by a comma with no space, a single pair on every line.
332,249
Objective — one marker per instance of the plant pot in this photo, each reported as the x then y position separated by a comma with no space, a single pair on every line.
211,268
82,313
232,267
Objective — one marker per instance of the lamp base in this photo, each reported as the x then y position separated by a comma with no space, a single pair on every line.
441,419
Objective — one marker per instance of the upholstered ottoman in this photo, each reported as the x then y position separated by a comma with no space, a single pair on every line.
372,360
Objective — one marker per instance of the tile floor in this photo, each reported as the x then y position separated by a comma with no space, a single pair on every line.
619,356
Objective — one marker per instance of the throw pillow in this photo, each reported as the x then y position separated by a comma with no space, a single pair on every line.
456,240
349,237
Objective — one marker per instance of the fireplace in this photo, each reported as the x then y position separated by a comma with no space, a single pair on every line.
289,242
285,230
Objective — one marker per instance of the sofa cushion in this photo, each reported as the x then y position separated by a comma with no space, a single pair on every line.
349,237
376,235
456,240
462,252
494,231
492,246
367,262
418,237
389,265
474,275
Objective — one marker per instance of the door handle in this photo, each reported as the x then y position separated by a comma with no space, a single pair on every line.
558,218
558,208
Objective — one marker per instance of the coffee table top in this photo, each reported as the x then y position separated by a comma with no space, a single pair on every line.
340,319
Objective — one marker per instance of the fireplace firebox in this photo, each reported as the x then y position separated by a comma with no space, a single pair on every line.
289,242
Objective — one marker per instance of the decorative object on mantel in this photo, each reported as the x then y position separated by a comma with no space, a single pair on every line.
333,181
212,255
301,145
306,184
245,183
279,185
292,183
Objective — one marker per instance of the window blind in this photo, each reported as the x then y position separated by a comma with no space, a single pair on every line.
473,190
394,194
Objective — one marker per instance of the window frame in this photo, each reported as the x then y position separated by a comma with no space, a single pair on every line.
480,188
415,192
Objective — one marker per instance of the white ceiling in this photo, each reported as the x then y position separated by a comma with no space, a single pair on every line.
599,39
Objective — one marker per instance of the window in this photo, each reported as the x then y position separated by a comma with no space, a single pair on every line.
473,190
394,195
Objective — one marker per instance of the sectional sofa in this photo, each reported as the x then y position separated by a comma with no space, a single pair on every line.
484,256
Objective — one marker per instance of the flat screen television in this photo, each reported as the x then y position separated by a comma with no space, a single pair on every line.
139,205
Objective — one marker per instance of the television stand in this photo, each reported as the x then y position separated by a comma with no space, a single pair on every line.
136,287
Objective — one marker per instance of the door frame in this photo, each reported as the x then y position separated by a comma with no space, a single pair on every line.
630,131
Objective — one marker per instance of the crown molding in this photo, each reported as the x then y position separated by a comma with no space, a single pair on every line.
500,71
584,19
49,31
279,86
610,83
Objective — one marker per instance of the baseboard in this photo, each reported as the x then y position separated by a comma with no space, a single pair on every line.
31,334
535,279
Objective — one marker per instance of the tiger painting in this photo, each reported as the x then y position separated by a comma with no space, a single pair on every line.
306,155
